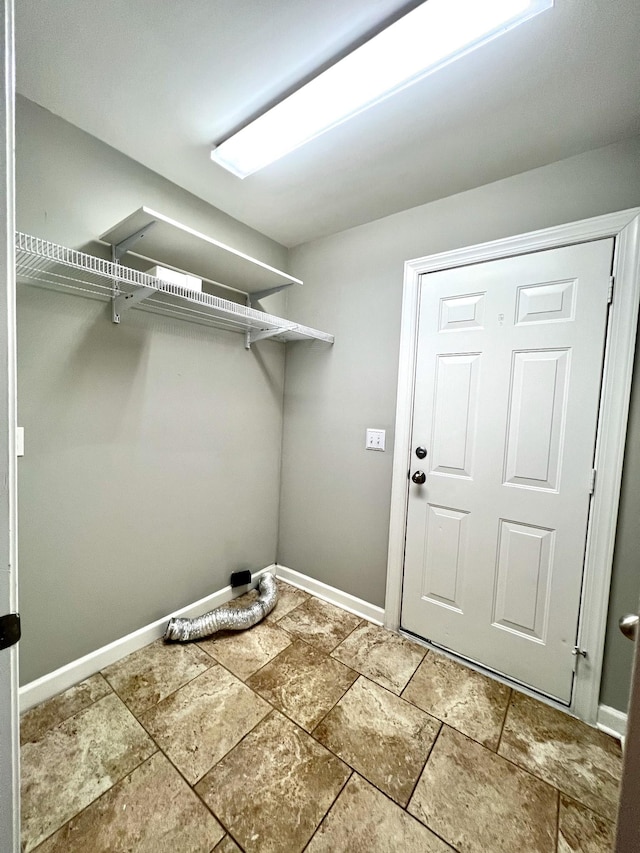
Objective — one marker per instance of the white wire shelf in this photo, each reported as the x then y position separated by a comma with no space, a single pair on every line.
48,264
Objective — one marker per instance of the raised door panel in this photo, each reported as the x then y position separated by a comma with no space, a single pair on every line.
523,576
445,548
537,413
455,414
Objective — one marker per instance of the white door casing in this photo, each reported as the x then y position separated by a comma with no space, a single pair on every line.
508,370
9,720
624,226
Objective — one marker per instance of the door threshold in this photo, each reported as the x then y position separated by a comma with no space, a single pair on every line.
496,676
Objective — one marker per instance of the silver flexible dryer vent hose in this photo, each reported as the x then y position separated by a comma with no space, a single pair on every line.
226,618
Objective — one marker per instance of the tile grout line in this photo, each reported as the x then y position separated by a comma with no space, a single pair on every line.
64,719
341,697
292,609
124,776
261,667
325,815
423,768
330,652
192,787
209,769
547,782
290,634
428,651
213,766
95,800
356,772
173,692
504,722
558,824
366,778
537,778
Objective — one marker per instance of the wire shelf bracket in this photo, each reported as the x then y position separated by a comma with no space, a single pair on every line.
118,250
121,301
261,294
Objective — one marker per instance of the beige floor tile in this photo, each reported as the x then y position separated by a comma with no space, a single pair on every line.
198,724
152,810
320,623
464,699
583,831
303,682
75,762
35,722
384,738
147,676
289,597
364,821
227,845
478,802
384,657
274,788
584,763
245,652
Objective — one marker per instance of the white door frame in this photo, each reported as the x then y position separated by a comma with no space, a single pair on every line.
9,717
618,370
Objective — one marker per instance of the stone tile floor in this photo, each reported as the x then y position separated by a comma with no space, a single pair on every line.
312,731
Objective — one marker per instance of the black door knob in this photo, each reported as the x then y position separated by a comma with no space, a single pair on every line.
421,452
419,477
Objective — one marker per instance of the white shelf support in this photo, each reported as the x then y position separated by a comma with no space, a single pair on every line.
118,250
254,337
256,297
120,303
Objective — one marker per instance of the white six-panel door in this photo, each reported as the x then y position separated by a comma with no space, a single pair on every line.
508,375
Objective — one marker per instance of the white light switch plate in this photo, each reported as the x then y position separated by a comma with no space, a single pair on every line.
375,439
19,441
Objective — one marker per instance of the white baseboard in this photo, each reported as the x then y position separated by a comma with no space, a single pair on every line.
61,679
612,722
332,595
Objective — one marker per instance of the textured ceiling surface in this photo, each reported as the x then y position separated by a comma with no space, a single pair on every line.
161,81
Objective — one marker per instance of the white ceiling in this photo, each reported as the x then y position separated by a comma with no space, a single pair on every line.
161,80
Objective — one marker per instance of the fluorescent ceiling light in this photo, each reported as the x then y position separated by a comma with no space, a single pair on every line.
424,40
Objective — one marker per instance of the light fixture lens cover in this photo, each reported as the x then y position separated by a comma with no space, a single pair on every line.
425,39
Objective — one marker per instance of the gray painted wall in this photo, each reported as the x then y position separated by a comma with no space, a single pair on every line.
153,447
335,495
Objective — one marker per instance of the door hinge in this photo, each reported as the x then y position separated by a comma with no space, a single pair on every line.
592,481
9,630
612,280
